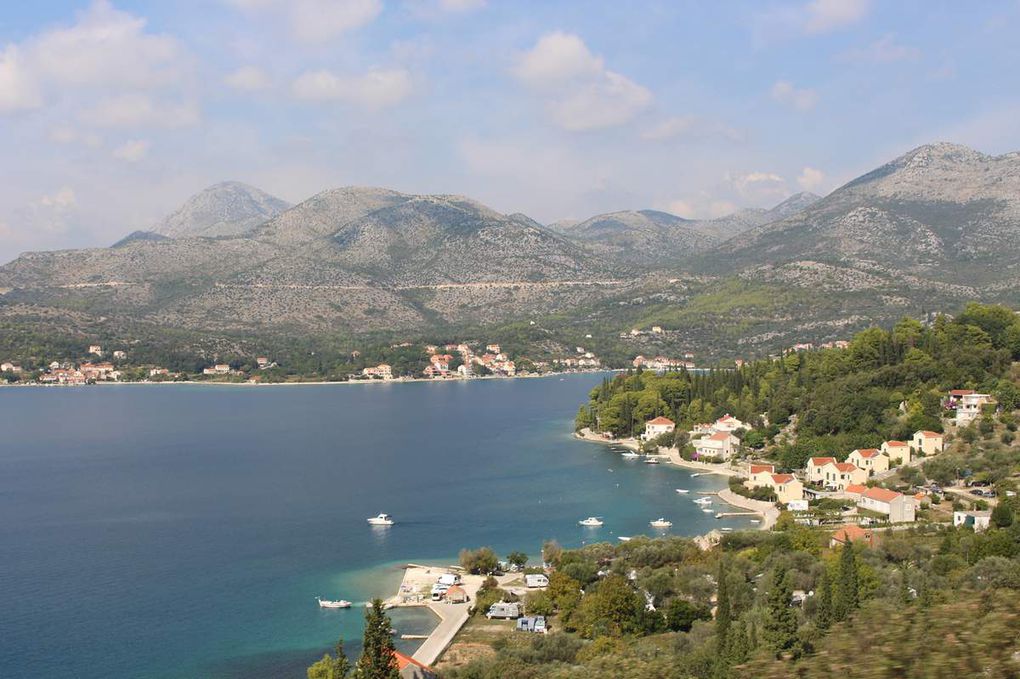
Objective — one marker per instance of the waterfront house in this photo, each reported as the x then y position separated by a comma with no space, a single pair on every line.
504,610
872,460
382,371
927,442
970,407
728,423
813,469
897,506
535,580
979,521
839,475
409,668
759,475
657,427
852,533
787,488
898,452
721,445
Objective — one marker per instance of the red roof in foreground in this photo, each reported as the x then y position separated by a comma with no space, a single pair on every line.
782,478
857,489
822,461
930,434
720,436
660,420
869,452
757,468
846,466
405,660
893,444
881,494
850,533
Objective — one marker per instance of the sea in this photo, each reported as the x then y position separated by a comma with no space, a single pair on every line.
171,531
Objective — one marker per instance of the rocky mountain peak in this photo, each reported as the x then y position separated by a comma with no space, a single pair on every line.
224,209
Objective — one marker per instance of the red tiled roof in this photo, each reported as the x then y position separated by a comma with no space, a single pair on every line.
821,461
782,478
881,494
720,436
660,420
930,434
868,452
895,444
758,468
846,466
857,489
405,660
850,533
961,392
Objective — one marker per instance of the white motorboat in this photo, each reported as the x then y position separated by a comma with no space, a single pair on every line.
381,520
623,538
726,529
707,510
660,523
630,455
591,521
652,460
755,521
703,501
327,603
682,491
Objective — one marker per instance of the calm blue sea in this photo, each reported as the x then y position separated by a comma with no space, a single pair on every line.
183,531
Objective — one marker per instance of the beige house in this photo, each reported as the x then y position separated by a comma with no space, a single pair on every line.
729,423
839,475
721,444
969,407
787,488
657,427
897,506
898,452
871,460
927,442
814,468
759,475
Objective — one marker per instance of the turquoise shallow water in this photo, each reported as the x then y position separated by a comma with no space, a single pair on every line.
183,531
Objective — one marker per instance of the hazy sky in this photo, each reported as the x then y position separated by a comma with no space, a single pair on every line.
113,113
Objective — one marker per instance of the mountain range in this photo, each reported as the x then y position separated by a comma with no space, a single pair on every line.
935,226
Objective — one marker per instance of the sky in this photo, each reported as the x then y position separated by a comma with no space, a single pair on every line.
113,112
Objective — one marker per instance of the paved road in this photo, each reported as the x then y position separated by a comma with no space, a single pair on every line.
452,618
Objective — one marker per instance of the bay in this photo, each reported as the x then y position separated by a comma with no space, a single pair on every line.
170,531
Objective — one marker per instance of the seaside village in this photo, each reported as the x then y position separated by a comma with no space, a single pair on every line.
857,488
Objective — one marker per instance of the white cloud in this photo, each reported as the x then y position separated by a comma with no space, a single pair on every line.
756,188
823,16
461,5
885,50
106,48
802,99
702,207
18,88
248,78
579,92
65,134
318,21
811,179
376,89
139,110
132,151
61,200
691,127
556,59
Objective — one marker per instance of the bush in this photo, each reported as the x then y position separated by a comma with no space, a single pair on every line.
538,603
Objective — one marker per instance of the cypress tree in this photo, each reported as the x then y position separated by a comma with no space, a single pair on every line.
780,626
739,646
723,614
846,598
377,660
823,617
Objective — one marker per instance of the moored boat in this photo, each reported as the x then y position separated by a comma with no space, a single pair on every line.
591,521
682,491
660,523
381,520
328,603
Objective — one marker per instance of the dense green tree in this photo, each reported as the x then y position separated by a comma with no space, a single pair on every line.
334,666
846,597
780,624
377,659
682,614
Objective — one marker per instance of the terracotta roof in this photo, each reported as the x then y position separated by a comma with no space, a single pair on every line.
930,434
720,436
660,420
856,489
868,452
822,461
726,418
895,444
850,533
846,466
405,660
881,494
758,468
782,478
961,392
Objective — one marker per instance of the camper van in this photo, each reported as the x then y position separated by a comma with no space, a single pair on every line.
536,580
504,610
449,579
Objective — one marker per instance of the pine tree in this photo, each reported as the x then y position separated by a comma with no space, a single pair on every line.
377,660
331,666
780,626
846,598
823,616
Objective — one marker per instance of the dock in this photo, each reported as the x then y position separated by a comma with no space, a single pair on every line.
726,515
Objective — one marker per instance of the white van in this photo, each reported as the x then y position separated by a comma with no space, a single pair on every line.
449,579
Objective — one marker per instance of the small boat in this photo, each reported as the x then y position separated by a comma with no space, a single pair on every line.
693,476
623,538
755,521
682,491
652,460
703,501
630,455
707,510
381,520
327,603
593,521
726,529
660,523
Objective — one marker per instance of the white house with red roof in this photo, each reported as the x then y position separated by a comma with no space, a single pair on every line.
728,423
871,460
928,442
759,475
721,444
787,488
970,406
815,465
839,475
897,506
657,427
855,490
898,452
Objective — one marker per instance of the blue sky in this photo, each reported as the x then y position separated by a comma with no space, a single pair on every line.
113,112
